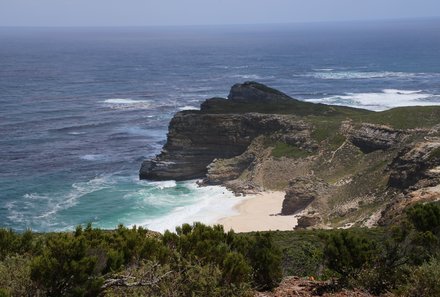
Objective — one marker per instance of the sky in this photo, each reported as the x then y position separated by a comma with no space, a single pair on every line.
205,12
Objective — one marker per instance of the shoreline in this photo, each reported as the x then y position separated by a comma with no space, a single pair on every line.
259,212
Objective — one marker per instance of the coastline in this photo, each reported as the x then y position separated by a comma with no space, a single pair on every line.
259,212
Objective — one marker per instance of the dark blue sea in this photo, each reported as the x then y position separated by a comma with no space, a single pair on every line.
80,108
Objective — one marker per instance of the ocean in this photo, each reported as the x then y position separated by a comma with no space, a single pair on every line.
81,108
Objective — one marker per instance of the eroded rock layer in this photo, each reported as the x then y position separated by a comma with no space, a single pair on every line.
195,139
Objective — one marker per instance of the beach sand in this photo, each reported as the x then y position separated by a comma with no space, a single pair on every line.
260,212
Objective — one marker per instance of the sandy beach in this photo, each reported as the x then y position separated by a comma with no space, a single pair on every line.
260,212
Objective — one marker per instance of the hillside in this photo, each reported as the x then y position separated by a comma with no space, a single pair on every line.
339,166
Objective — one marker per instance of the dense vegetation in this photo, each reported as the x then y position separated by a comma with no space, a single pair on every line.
403,259
199,260
195,260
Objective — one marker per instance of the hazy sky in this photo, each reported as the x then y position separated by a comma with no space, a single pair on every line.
202,12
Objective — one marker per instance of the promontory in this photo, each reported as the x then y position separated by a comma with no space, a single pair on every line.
339,166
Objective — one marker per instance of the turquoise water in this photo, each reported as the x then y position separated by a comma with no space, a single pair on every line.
82,107
109,200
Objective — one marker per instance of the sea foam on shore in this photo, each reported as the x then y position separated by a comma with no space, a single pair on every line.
200,204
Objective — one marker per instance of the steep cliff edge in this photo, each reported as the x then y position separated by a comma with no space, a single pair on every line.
195,139
224,128
339,166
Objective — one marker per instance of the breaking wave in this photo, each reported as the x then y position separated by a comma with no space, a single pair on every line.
386,99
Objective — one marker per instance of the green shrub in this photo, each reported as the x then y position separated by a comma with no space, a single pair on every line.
65,268
236,269
15,277
425,217
266,262
197,260
347,252
8,242
191,279
425,280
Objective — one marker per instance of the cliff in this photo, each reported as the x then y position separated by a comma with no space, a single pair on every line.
195,139
339,166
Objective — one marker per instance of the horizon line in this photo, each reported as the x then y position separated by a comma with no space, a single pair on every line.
229,25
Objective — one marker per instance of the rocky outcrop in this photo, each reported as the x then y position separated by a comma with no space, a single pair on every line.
195,139
301,192
224,170
371,137
248,95
307,221
259,138
216,132
252,92
417,163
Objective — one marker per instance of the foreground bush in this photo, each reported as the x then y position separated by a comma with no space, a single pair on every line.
266,261
397,260
15,277
153,279
347,252
196,260
425,281
66,267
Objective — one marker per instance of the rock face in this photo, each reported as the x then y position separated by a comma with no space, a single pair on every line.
301,192
247,95
224,170
307,221
371,137
194,141
251,92
196,138
419,163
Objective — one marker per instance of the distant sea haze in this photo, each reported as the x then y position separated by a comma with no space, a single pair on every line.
81,108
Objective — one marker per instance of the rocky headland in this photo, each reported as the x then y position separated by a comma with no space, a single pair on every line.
339,166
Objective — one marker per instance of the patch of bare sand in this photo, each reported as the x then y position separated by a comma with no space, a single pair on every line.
260,212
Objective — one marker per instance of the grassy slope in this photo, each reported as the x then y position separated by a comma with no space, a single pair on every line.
366,169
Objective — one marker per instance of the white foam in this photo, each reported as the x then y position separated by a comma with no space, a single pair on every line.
208,205
401,92
164,184
379,101
14,215
93,157
251,76
323,69
230,67
123,101
127,103
78,191
189,107
329,74
76,133
35,196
